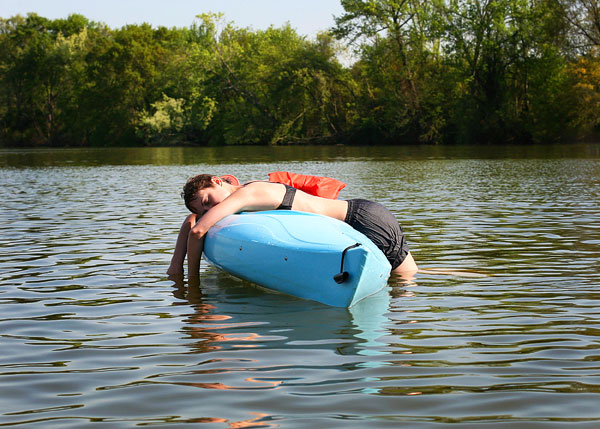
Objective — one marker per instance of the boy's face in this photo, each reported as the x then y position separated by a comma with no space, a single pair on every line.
209,197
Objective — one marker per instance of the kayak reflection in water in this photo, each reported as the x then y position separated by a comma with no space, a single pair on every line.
211,198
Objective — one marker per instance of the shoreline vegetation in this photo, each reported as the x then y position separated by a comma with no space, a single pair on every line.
423,72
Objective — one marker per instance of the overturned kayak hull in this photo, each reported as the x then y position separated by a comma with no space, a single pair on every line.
299,254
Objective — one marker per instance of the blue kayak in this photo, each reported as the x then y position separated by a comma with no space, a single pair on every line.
301,254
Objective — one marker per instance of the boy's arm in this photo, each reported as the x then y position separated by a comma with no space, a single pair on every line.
253,197
178,257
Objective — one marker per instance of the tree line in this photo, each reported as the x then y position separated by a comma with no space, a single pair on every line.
423,71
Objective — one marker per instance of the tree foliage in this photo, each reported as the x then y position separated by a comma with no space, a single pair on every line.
426,71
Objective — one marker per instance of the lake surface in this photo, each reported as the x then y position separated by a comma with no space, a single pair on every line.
92,331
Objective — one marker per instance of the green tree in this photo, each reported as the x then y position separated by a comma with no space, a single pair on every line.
125,74
501,62
398,42
440,71
35,76
271,86
583,17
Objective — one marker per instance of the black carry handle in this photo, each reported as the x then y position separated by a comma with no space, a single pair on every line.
342,276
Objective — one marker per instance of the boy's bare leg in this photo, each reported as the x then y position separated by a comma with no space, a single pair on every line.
407,269
408,265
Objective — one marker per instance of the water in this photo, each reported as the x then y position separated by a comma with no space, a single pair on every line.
92,331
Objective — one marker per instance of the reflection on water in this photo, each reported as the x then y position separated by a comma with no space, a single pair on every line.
92,331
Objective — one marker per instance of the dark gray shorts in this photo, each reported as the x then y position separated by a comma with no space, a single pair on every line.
380,226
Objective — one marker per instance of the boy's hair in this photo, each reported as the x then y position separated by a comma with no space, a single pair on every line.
195,184
192,186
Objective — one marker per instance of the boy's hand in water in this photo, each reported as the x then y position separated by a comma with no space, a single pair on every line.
175,270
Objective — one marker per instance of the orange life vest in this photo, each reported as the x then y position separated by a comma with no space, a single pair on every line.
314,185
